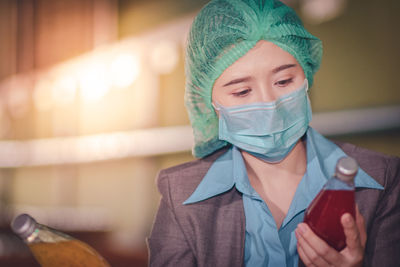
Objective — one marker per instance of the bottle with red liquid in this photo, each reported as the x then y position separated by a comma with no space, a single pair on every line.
335,199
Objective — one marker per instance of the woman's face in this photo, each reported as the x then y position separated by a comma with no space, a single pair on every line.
263,74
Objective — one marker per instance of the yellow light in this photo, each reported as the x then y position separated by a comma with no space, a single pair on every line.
319,11
5,124
64,90
124,70
42,95
94,82
18,96
164,57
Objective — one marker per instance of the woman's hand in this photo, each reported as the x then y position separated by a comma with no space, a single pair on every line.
313,251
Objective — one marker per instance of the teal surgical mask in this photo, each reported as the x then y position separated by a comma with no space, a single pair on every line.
269,130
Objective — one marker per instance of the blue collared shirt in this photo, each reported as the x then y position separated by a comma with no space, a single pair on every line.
265,244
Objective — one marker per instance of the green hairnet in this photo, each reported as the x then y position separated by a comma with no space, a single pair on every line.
222,32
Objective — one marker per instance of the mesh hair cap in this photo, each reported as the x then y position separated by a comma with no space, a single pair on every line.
221,33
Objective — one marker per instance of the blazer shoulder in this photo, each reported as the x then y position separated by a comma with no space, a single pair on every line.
180,181
384,168
365,155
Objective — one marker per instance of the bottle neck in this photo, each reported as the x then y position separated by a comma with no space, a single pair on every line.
335,183
43,233
348,179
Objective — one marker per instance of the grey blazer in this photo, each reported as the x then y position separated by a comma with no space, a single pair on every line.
211,232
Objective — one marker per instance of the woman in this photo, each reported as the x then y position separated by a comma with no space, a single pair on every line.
249,66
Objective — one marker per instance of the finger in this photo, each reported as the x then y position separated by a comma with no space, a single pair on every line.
314,248
307,262
351,232
325,251
361,227
303,256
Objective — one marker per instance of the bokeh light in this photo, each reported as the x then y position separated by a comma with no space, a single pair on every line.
164,57
124,69
64,90
94,82
42,95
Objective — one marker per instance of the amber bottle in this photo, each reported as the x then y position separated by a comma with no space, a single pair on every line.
53,248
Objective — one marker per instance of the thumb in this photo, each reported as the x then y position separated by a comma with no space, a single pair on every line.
361,227
351,232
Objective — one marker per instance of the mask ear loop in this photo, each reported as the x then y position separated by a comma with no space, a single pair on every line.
305,84
215,106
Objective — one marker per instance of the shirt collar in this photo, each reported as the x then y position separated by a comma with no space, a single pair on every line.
229,170
327,153
218,179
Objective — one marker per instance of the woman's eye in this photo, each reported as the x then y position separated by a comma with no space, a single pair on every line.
284,82
242,92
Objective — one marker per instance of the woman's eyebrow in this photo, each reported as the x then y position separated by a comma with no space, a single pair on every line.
283,67
239,80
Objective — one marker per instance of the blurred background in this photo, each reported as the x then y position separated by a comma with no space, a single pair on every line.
91,107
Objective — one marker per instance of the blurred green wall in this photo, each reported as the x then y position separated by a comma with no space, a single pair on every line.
361,57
